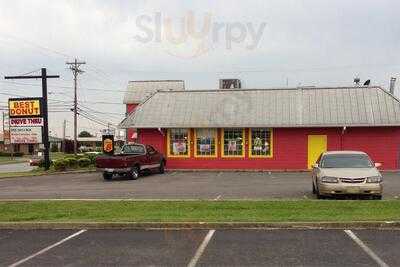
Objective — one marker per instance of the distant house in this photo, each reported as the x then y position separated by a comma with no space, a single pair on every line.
55,141
268,129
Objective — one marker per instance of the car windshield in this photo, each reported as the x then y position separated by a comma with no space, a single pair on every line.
133,149
346,161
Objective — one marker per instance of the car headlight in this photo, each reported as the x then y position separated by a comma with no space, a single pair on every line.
374,179
328,179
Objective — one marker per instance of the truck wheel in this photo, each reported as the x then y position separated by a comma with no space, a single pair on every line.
107,176
162,167
133,174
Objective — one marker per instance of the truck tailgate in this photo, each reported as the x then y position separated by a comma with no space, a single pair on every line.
111,162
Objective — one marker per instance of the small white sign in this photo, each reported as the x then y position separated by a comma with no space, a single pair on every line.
26,135
26,122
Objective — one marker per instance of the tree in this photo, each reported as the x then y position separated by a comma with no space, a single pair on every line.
85,134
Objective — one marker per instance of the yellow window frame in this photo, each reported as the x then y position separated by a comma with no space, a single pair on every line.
169,145
243,145
216,145
271,145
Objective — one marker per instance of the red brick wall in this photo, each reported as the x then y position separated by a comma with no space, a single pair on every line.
290,148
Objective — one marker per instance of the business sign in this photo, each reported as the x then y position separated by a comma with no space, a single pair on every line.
26,135
25,107
6,137
26,122
108,144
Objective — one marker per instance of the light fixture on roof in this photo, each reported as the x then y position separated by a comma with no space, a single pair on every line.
357,80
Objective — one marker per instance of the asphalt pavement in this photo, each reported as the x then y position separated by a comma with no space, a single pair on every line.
260,247
173,185
16,167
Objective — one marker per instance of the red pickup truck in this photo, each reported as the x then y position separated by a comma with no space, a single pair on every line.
133,160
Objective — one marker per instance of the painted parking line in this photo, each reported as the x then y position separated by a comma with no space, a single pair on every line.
201,249
46,249
218,197
366,249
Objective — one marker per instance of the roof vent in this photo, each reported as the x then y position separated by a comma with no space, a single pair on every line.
230,84
392,85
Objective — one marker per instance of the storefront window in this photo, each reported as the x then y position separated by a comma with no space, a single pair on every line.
206,142
179,140
260,142
233,142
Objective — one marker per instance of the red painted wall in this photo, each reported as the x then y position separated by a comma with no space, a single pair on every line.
130,132
290,148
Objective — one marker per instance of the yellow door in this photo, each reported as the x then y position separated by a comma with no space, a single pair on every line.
316,146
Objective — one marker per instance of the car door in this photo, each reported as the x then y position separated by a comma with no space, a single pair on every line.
152,156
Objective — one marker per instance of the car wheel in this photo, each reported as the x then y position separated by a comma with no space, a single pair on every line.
319,196
313,189
379,197
107,176
162,167
133,174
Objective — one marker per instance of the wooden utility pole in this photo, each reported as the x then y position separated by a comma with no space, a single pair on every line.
63,136
45,133
74,66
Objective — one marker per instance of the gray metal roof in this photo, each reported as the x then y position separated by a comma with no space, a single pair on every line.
138,91
297,107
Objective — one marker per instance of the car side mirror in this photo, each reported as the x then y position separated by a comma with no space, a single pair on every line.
377,164
315,165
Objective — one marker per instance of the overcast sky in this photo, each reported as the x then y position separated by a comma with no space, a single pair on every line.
300,42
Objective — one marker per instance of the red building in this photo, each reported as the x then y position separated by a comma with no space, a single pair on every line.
266,129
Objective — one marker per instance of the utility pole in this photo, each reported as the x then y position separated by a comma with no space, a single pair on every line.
63,135
45,133
74,67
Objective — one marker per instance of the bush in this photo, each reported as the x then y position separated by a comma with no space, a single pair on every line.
84,162
41,163
60,165
92,158
71,162
54,147
8,154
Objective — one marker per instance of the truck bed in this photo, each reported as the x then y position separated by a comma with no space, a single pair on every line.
115,161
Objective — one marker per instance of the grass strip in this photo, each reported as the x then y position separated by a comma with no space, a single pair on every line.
200,211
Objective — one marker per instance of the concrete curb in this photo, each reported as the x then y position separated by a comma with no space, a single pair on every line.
201,225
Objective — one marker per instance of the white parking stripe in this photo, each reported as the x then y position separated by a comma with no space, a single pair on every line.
367,250
201,249
46,249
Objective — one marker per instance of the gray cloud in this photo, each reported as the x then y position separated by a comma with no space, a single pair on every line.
309,42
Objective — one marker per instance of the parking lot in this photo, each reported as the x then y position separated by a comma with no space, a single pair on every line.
173,185
199,247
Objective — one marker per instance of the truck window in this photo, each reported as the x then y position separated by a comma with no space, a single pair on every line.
133,149
150,150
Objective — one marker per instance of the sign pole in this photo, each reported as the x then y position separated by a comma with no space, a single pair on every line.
45,132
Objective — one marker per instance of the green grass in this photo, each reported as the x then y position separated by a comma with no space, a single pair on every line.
35,172
39,171
199,211
59,155
9,160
